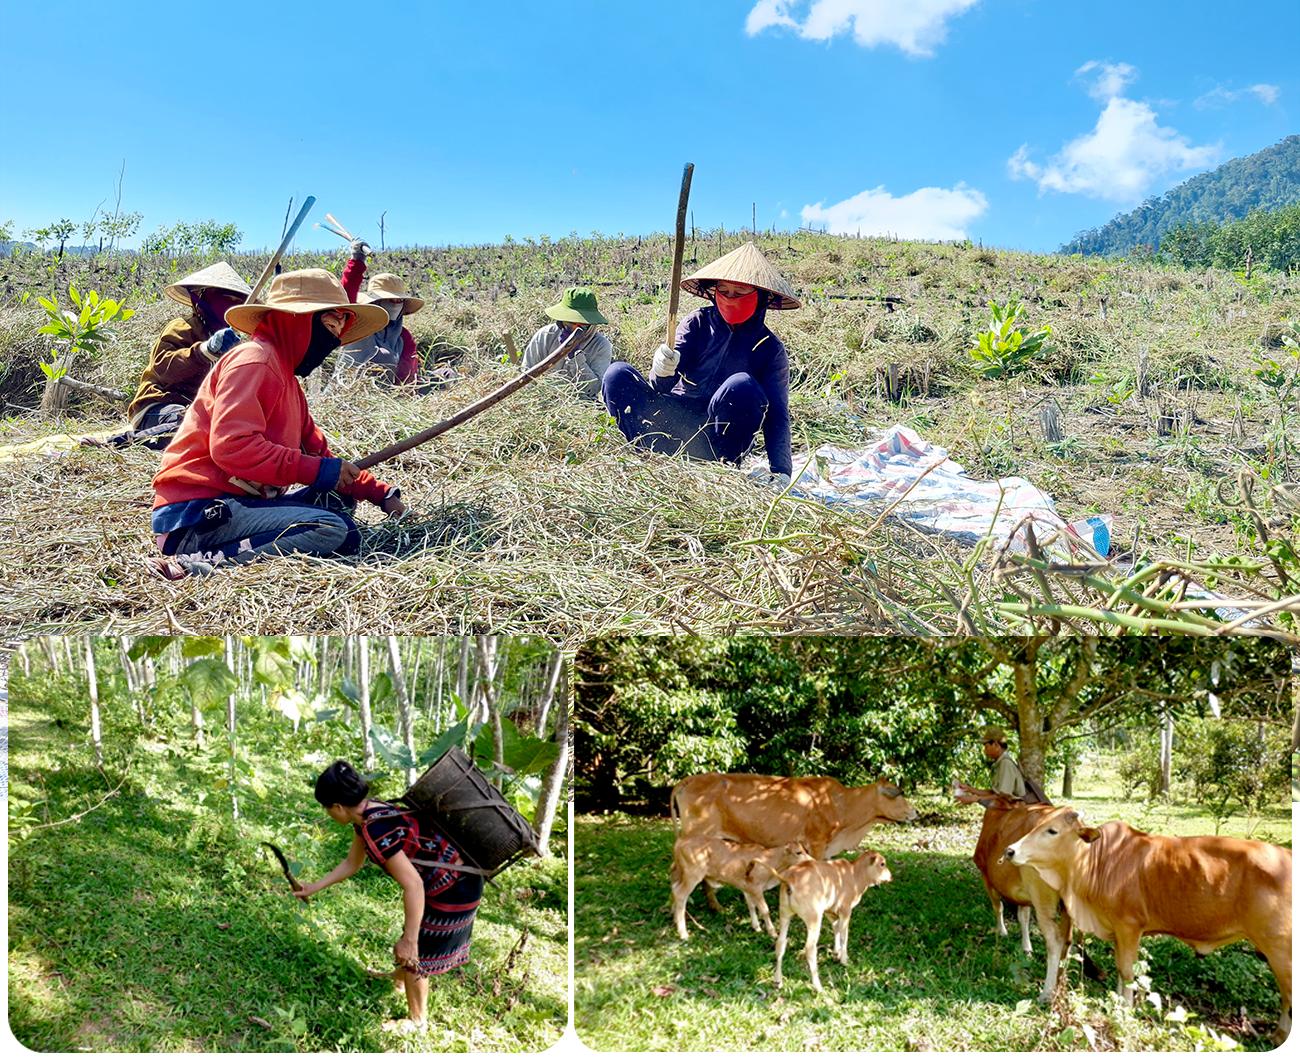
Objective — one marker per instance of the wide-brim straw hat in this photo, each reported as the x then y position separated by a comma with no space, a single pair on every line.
390,286
309,291
220,275
578,304
744,265
995,733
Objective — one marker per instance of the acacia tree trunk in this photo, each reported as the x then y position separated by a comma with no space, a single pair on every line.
363,667
93,680
462,673
230,728
405,724
553,785
554,666
486,692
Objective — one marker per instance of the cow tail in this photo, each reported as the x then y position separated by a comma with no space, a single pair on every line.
674,812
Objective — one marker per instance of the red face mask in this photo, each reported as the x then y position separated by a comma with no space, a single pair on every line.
737,311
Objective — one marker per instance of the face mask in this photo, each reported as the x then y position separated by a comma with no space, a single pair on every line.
323,344
737,311
394,308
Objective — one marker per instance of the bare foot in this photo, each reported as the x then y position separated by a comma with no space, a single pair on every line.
404,1025
164,568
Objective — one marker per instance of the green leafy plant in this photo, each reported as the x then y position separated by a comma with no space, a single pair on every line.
83,332
1004,349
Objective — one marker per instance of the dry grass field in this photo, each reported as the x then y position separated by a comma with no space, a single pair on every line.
537,516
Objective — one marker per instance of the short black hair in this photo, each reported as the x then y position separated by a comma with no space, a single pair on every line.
339,783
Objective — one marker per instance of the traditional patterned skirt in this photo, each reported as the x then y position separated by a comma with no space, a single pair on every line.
451,897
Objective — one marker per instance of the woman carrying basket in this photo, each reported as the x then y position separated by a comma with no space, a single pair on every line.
440,902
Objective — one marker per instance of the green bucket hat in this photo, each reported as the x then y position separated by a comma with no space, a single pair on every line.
578,304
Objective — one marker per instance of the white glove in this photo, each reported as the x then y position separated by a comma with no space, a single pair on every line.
666,359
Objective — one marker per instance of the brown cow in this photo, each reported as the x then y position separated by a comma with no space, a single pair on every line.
815,889
719,862
821,814
1007,819
1122,884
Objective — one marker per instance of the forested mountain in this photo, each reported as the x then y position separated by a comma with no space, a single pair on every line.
1264,181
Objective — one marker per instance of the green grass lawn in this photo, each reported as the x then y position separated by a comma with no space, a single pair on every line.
926,968
152,924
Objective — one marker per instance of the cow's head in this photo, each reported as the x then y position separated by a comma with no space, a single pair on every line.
872,864
894,805
1051,842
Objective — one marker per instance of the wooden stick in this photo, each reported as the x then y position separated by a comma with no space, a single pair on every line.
94,389
338,225
679,246
474,409
512,351
336,232
279,251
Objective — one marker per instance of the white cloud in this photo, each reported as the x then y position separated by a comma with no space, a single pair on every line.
1221,97
1111,80
926,214
914,26
1125,153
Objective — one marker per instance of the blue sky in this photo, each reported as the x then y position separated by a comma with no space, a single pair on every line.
1014,122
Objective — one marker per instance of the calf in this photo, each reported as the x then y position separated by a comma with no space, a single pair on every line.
1122,884
834,887
719,862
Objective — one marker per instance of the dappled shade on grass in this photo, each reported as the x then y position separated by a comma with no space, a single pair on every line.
926,970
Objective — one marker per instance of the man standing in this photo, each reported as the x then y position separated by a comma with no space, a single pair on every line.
1006,772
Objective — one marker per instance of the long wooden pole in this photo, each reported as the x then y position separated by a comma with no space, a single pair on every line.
475,408
279,251
679,247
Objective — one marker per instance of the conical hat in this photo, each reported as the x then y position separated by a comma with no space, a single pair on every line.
219,275
745,265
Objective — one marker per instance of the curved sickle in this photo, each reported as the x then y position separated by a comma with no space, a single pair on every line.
284,865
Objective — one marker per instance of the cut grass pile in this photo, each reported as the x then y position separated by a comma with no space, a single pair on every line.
927,971
147,921
538,516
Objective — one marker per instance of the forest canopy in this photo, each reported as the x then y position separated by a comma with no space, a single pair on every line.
1263,182
650,711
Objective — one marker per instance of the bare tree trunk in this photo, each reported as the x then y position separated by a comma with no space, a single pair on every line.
27,661
486,691
405,724
347,670
554,666
230,729
462,673
553,785
363,664
1166,754
47,647
95,735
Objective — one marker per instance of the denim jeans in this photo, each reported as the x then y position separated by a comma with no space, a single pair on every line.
721,429
243,529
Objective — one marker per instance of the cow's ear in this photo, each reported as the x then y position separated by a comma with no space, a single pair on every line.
1088,834
892,791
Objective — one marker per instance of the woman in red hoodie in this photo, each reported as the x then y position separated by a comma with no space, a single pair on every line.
223,494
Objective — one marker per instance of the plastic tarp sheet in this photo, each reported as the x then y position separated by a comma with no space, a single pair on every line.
940,497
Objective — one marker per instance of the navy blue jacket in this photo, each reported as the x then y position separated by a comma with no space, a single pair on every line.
711,351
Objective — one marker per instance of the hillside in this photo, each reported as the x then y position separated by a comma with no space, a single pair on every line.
538,518
1265,180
